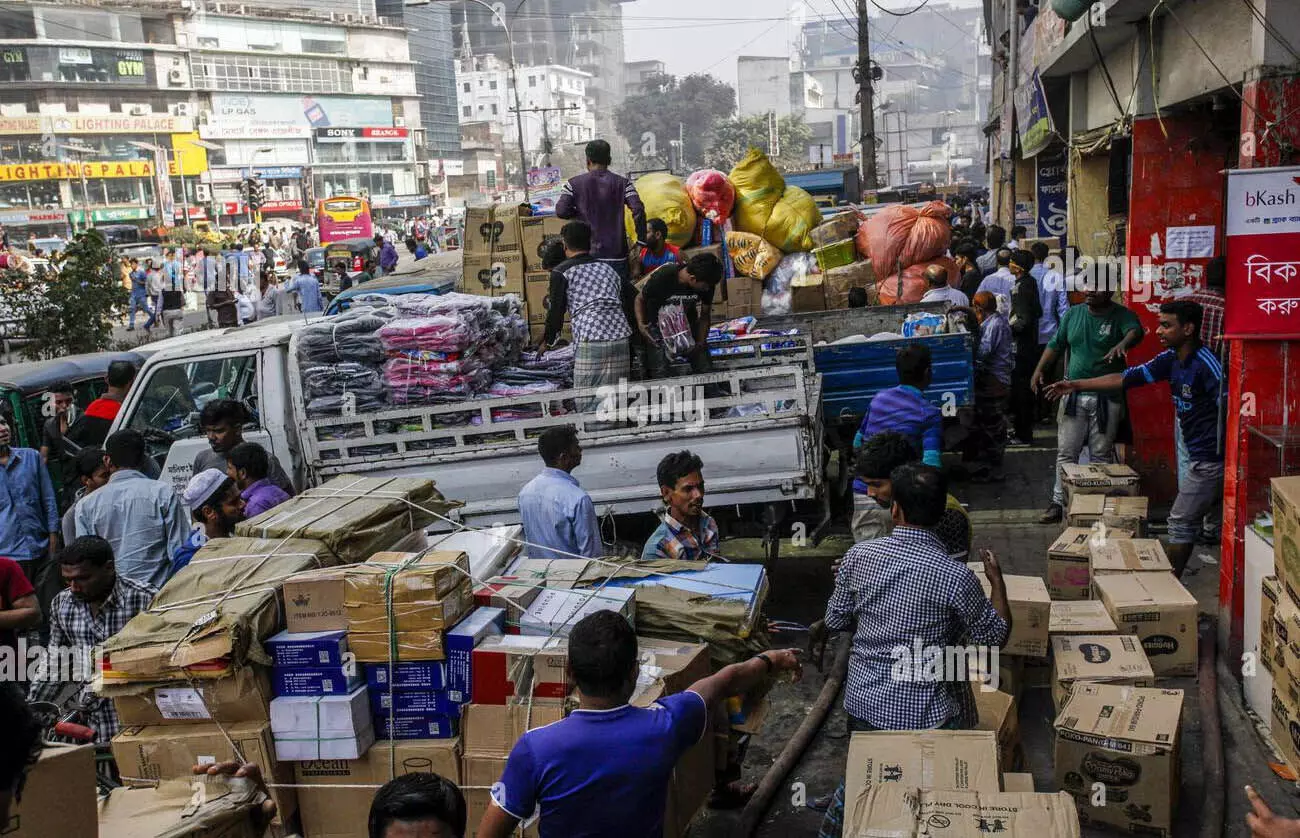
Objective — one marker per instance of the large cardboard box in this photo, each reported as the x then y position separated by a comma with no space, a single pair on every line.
537,291
1286,533
510,666
170,752
1285,727
329,812
810,297
166,811
1098,479
1124,555
1125,512
1097,658
1286,637
964,760
427,593
313,601
479,772
1069,560
1159,611
535,233
493,729
901,812
1126,739
502,273
493,230
58,796
999,712
839,281
1084,617
1018,783
240,697
1272,590
1031,608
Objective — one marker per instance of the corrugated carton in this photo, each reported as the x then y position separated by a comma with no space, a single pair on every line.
900,811
58,795
313,601
1123,555
1159,611
1031,608
1098,479
1126,513
506,667
242,696
1069,562
1272,590
1097,658
536,233
1085,617
1286,533
943,759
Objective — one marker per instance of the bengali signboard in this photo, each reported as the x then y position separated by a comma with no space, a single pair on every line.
544,185
1033,119
1052,192
1263,254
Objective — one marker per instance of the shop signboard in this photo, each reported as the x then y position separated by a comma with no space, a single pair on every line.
1033,119
63,171
163,186
282,206
24,218
255,116
398,201
275,172
1263,254
111,214
373,134
1051,170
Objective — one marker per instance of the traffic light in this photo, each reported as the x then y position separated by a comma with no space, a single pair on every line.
256,194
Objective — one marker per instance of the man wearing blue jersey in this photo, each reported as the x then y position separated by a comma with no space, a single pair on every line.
1195,379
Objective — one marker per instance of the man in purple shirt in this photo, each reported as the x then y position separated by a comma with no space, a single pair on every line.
598,197
249,466
904,409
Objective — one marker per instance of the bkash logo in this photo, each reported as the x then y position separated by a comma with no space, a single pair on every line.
1269,198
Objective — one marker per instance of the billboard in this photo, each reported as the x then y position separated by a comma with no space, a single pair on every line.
256,116
1263,254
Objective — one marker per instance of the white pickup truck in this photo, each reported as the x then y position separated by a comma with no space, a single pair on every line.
761,440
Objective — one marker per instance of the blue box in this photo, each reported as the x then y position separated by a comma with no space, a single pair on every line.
426,726
308,648
418,702
317,680
452,674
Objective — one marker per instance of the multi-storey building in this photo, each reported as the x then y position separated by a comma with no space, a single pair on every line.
636,73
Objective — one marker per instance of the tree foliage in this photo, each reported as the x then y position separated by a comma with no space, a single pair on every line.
689,107
71,312
732,139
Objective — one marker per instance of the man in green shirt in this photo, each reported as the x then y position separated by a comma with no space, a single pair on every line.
1095,337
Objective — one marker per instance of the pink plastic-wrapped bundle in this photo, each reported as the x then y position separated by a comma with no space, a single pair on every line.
411,384
438,333
712,194
900,234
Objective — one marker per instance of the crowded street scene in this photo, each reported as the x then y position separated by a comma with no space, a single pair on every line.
649,419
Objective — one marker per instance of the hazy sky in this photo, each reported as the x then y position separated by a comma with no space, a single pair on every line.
695,36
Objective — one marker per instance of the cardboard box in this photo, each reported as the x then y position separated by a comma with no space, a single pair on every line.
898,811
551,573
537,291
1285,727
667,668
452,674
555,613
999,712
1124,555
478,773
1272,590
1086,617
170,752
1124,512
1031,610
342,812
1286,637
423,726
307,649
297,748
417,590
493,276
1286,533
493,230
1100,659
322,727
511,597
418,702
317,680
1098,479
943,759
536,233
313,601
505,667
493,729
1016,783
1160,612
1127,739
811,297
1069,561
242,696
58,796
166,811
839,281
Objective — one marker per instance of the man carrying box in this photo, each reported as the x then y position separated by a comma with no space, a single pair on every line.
604,770
1195,379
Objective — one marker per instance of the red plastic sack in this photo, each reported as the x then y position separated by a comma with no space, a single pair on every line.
712,194
901,234
914,283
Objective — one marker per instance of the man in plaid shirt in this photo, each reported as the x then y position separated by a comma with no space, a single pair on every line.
902,593
96,605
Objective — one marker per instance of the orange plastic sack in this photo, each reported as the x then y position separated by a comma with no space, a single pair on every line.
901,234
712,194
914,284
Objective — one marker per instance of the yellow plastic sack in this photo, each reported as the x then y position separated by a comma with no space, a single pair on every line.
792,219
664,197
759,187
752,255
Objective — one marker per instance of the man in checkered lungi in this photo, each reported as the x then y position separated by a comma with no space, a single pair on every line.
590,291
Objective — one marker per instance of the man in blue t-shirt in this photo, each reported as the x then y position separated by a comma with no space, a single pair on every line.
604,770
1196,382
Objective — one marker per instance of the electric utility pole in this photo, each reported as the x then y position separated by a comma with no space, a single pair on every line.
868,138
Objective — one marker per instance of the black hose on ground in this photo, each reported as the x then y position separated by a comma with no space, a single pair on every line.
1211,732
758,805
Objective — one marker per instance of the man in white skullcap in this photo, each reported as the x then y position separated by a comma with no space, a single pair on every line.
215,505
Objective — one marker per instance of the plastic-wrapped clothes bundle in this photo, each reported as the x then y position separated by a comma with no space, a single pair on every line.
351,336
560,358
437,332
333,405
328,387
409,384
509,389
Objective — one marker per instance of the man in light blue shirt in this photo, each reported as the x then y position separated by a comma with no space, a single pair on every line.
1001,282
307,286
141,518
29,515
558,516
1051,293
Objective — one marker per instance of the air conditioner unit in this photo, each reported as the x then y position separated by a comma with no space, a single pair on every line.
399,122
139,110
176,76
202,192
180,109
348,17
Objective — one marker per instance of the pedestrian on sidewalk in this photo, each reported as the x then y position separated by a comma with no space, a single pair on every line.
1211,300
1095,337
1196,383
1001,283
29,515
387,256
171,302
1026,310
994,361
139,295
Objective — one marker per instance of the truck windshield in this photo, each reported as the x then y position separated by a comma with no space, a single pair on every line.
174,394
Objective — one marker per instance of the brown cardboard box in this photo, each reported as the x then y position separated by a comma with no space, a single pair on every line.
1000,713
1098,479
1015,783
535,233
1097,658
479,772
838,282
492,230
1126,513
493,729
1122,555
840,226
1031,609
1127,739
1159,611
897,811
1286,637
811,297
1285,727
415,577
512,665
58,795
313,601
1010,674
342,812
1286,533
669,667
942,759
553,573
537,290
1069,568
170,752
1083,617
243,696
368,615
1268,611
165,810
495,275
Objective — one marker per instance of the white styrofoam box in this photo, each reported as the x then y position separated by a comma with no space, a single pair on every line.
489,549
321,715
337,746
558,611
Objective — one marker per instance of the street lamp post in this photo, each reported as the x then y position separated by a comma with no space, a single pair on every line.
176,155
82,151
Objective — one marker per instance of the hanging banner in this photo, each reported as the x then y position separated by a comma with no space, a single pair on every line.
1052,193
1263,254
545,185
1033,119
163,183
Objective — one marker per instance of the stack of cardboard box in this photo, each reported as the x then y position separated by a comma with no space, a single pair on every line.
493,259
1282,637
535,234
321,709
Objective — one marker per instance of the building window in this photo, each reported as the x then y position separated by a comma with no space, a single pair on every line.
494,110
532,81
492,85
466,111
466,87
